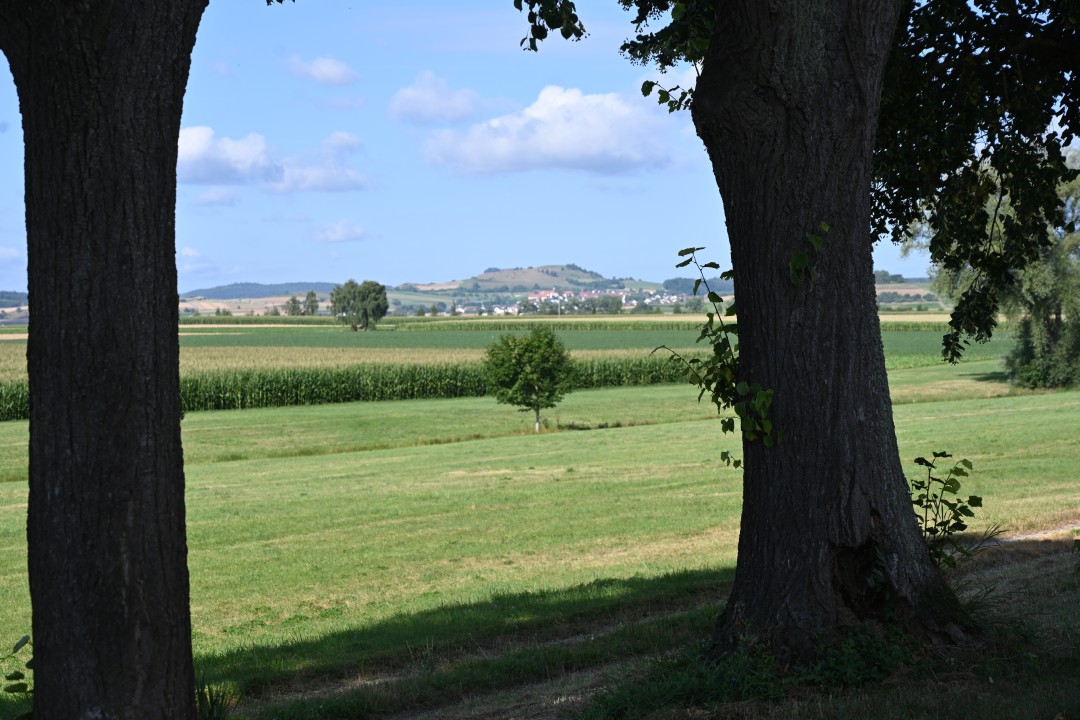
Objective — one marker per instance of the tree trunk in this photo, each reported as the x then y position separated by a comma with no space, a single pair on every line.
787,107
537,419
101,89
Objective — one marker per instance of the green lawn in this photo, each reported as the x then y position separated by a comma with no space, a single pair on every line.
326,539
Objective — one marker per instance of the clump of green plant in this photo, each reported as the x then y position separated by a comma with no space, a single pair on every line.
861,657
943,513
213,702
689,680
17,682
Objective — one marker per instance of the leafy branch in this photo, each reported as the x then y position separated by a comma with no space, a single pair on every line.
718,374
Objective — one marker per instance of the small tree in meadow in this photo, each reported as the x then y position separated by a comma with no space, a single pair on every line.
292,306
532,371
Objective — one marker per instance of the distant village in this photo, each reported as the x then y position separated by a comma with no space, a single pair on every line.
471,299
573,302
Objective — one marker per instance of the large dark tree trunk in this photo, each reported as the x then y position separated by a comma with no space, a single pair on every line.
101,87
787,107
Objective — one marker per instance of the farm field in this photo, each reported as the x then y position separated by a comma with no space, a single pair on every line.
239,347
376,557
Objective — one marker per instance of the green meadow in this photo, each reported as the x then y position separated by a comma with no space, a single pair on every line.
360,559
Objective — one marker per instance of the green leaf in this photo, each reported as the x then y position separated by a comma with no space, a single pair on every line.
646,90
517,5
711,265
678,11
688,251
684,263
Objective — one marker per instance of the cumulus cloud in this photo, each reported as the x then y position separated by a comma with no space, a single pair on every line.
564,128
339,232
324,70
218,196
326,171
430,100
205,159
189,252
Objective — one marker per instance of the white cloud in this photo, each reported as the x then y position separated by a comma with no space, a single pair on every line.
326,171
189,252
7,254
327,71
218,196
207,160
429,100
339,232
564,128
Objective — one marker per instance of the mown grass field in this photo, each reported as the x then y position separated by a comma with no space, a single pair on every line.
380,557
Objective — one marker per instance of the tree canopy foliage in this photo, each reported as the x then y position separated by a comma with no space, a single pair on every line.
359,306
531,371
1042,301
311,303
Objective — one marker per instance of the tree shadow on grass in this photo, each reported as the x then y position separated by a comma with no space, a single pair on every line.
990,377
487,628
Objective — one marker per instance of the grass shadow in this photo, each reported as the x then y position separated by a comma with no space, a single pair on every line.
989,377
531,635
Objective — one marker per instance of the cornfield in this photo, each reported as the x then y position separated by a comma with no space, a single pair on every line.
276,387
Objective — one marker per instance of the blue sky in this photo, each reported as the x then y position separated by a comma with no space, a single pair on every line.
416,142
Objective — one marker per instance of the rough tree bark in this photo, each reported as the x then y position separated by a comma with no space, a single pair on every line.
787,107
101,87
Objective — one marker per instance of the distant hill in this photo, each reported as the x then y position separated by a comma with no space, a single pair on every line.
522,280
240,291
10,298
